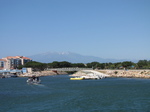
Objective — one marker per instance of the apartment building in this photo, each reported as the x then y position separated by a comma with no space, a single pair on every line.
13,62
2,62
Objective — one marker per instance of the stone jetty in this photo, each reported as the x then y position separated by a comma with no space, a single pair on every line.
110,73
127,73
43,73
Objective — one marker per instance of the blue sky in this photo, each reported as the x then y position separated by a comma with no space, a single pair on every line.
118,29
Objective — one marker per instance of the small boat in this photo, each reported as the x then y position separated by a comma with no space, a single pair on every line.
33,80
85,78
77,78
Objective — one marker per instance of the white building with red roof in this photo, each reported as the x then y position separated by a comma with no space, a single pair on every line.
13,62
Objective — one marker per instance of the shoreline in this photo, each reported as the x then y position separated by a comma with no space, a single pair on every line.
112,73
43,73
127,73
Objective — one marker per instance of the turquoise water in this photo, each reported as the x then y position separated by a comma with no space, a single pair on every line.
59,94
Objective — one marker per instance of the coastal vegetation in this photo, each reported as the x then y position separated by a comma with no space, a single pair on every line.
141,64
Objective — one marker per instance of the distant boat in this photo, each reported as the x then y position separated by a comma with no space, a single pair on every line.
13,76
33,80
77,78
84,78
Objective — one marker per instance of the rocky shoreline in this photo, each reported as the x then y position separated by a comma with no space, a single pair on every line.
127,73
111,73
43,73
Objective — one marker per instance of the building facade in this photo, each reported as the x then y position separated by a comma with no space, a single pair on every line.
2,62
13,62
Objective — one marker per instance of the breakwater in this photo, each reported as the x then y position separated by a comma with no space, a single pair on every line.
127,73
111,73
43,73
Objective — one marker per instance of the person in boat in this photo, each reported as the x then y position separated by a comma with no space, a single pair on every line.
37,78
33,79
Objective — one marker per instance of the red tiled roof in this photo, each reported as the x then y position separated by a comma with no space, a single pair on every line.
26,58
2,60
15,57
10,57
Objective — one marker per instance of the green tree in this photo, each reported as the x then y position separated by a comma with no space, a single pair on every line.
93,65
127,64
55,64
64,64
78,65
102,65
143,64
36,65
112,66
118,65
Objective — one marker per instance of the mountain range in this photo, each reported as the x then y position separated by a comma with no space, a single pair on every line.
70,57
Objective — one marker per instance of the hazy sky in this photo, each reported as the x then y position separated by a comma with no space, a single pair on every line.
104,28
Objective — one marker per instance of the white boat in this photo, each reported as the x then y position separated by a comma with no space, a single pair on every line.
90,74
33,80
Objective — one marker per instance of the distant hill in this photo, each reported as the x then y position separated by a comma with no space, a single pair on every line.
69,57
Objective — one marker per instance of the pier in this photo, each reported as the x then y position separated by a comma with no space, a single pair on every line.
68,69
9,73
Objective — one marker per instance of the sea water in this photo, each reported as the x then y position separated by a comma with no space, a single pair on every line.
60,94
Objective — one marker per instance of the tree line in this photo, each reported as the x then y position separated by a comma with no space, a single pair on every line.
141,64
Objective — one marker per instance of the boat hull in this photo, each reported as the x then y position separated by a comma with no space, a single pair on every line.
76,78
33,80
